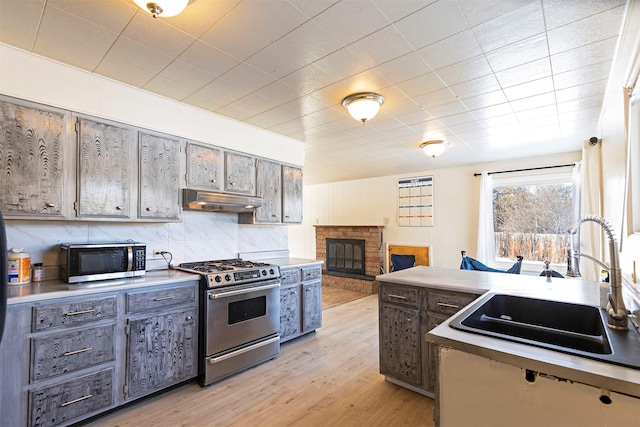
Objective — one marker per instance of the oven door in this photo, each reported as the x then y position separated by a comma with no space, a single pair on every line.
239,315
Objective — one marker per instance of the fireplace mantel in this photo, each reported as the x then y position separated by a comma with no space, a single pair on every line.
374,261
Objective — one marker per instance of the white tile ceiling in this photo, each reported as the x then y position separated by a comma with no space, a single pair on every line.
498,79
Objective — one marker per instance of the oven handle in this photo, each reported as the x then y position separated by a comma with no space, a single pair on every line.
242,291
213,360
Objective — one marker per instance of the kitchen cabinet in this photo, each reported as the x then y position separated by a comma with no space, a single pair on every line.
291,194
240,173
106,160
162,338
268,186
72,360
33,156
300,301
204,167
406,314
159,186
66,359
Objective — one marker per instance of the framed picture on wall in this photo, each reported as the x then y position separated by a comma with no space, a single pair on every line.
415,202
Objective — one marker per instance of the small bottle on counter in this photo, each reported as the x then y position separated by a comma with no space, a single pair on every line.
37,273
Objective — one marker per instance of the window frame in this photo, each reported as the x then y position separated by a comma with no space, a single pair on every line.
526,178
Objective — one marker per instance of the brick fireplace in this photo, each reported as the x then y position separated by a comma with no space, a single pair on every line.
373,254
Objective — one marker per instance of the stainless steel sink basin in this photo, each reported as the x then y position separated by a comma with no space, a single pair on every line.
570,328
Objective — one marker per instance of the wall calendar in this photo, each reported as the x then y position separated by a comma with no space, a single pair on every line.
415,202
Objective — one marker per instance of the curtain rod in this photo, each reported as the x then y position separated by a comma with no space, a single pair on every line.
529,169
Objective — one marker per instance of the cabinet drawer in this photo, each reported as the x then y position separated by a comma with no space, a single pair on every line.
73,313
400,295
57,354
62,403
311,273
448,302
288,277
158,298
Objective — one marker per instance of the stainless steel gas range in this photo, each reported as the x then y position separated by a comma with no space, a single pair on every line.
240,315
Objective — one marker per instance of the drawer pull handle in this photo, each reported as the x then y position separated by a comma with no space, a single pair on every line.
71,353
397,296
77,313
50,205
189,318
444,304
119,208
164,298
80,399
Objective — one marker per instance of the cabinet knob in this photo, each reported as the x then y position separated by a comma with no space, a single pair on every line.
232,183
119,208
149,209
50,205
189,318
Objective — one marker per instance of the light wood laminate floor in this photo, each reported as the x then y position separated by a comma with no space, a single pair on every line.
327,378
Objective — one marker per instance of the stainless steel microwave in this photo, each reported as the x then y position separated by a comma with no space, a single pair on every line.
86,262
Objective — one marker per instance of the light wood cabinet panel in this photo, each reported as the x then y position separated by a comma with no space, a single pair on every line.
32,160
240,173
159,177
204,167
104,169
291,194
289,312
161,351
64,402
312,306
268,186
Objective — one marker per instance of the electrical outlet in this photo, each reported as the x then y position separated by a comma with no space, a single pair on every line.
157,253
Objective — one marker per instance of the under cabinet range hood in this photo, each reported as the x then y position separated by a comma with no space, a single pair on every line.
218,202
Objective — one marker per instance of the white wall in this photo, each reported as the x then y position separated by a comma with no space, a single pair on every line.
372,201
201,235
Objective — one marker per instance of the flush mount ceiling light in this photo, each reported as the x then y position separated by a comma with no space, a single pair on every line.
434,148
162,8
363,106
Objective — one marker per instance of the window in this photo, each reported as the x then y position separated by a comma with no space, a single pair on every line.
532,215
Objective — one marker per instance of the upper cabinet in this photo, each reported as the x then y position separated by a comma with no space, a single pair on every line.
240,173
269,187
204,167
291,194
159,185
32,158
105,164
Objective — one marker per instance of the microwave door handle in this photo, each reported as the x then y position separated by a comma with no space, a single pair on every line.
129,258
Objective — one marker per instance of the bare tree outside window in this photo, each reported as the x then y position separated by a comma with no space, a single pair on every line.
532,221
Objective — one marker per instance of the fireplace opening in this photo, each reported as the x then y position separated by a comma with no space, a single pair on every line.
345,256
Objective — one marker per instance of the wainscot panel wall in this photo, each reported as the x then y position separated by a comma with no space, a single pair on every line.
374,201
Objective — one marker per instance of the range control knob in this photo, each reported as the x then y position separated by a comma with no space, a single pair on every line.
227,277
272,272
264,272
218,279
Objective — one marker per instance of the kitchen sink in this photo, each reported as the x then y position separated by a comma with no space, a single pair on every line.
569,328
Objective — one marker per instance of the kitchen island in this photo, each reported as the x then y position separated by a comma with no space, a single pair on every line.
483,380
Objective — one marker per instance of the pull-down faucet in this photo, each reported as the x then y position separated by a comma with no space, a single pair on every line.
617,317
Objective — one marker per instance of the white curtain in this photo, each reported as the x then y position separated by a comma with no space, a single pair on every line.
591,237
486,252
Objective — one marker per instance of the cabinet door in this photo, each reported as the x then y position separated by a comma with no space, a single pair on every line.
104,157
400,344
289,312
240,174
268,186
32,160
159,177
291,194
312,306
161,351
204,168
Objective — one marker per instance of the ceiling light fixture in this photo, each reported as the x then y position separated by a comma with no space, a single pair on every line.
162,8
363,106
434,148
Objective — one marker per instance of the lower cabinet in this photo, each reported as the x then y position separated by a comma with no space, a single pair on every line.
68,359
406,313
300,301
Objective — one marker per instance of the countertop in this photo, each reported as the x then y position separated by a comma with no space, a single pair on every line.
608,376
49,289
293,262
